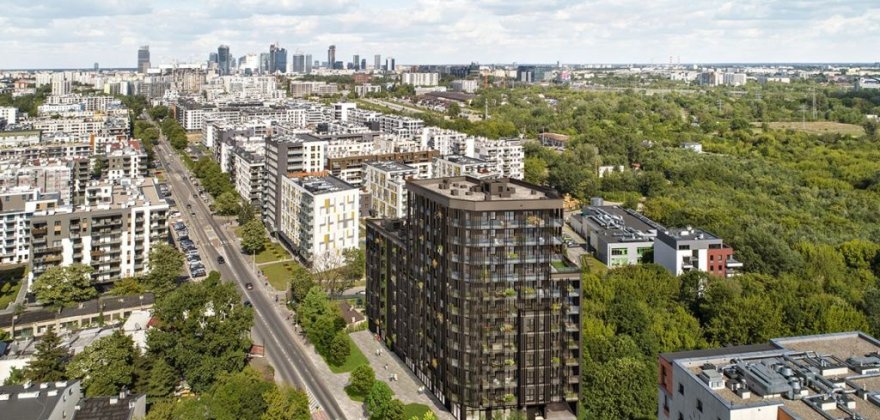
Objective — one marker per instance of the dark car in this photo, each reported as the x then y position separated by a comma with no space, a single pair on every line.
248,304
249,286
221,260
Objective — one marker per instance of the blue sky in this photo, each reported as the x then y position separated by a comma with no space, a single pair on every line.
77,33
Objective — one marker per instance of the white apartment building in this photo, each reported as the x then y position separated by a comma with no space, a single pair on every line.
401,126
467,86
299,89
113,231
319,218
385,182
18,206
363,90
9,113
448,142
248,175
420,79
287,155
458,165
342,109
507,156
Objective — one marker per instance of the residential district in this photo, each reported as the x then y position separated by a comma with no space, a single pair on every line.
472,290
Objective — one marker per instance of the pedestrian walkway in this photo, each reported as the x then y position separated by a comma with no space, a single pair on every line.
406,385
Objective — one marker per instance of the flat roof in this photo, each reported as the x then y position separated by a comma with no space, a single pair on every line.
390,166
464,160
322,184
474,189
621,225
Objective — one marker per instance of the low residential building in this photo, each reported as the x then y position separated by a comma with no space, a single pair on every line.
112,231
319,218
616,236
364,90
300,89
101,311
554,140
41,401
818,377
684,249
385,182
458,165
122,407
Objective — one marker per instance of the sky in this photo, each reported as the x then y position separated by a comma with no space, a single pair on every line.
78,33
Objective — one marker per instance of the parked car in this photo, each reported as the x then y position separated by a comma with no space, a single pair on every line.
221,260
249,286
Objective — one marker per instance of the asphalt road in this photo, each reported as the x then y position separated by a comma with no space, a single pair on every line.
287,356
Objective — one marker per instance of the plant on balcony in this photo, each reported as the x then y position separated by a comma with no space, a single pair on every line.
555,361
509,362
509,292
529,290
555,307
509,398
534,220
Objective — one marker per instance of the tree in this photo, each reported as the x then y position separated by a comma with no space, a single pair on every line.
162,379
394,411
239,396
253,237
63,285
378,401
158,112
355,263
50,360
535,170
361,380
165,265
453,110
127,287
618,390
106,366
203,330
339,349
285,403
301,282
226,203
246,213
329,273
16,377
98,167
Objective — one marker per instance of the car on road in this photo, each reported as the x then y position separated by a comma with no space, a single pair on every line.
249,286
221,260
247,303
193,257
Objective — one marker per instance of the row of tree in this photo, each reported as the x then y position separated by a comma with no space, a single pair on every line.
324,326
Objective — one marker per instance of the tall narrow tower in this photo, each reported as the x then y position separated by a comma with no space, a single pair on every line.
143,59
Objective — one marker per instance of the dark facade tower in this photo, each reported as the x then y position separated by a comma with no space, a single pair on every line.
143,59
277,59
331,56
223,60
474,293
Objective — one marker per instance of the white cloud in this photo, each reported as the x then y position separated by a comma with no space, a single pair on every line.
75,33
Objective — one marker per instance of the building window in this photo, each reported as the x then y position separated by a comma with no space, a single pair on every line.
684,247
681,389
619,251
699,405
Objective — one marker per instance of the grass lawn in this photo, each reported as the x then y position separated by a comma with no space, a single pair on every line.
355,359
596,266
278,274
817,127
10,283
273,252
415,410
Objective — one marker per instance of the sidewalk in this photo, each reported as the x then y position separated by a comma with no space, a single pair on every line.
406,387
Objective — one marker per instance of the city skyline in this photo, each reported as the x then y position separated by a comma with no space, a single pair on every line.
76,34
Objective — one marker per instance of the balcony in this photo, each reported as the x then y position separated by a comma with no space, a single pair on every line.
39,231
561,264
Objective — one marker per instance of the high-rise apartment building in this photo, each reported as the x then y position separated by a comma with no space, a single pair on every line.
356,61
331,56
319,218
143,59
287,155
223,60
377,62
474,293
389,64
308,64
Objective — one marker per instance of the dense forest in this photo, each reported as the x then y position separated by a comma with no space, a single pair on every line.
802,211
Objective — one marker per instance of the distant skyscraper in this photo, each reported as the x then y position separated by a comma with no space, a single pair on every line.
363,64
223,59
389,64
298,63
277,59
143,59
96,67
212,57
377,61
308,64
356,61
264,62
331,56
